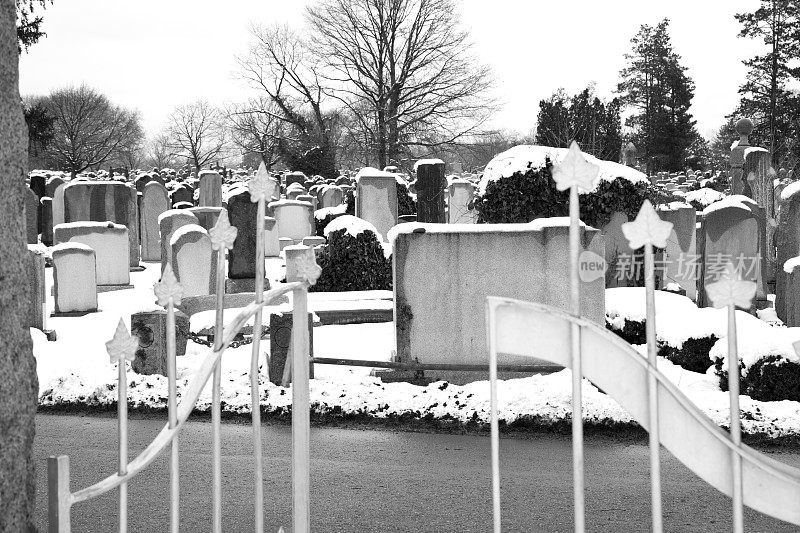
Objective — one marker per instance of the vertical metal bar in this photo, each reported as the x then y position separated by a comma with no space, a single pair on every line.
577,373
122,426
172,406
736,431
495,429
301,417
58,494
255,376
652,391
216,408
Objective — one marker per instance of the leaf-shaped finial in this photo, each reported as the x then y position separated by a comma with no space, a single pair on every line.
647,228
575,170
261,185
301,264
168,288
730,290
223,234
123,346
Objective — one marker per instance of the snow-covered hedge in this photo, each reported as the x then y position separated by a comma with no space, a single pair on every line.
517,186
702,198
322,217
354,258
406,205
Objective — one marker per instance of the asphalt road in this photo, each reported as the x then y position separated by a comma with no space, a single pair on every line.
380,480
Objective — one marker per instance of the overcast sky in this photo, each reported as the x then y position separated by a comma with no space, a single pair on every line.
153,55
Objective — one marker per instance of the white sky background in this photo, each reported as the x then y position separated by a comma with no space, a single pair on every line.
153,55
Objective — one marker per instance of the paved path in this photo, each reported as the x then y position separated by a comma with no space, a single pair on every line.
368,480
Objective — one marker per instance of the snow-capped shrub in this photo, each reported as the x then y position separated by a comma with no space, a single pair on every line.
770,379
691,355
405,203
353,258
322,217
633,331
525,196
702,198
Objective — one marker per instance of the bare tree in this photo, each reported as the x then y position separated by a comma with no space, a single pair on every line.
256,129
19,389
88,129
281,65
197,132
409,64
159,152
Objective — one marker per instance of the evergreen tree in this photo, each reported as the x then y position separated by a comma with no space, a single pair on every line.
656,90
584,118
765,97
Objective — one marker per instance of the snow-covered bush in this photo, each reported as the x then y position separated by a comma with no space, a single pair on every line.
322,217
769,365
517,186
354,258
406,205
702,198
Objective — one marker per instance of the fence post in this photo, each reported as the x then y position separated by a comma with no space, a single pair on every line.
300,266
58,495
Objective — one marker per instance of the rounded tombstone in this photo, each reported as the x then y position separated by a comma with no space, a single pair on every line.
744,126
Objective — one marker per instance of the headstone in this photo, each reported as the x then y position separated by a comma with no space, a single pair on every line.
272,246
283,242
760,176
38,184
183,193
294,177
242,257
406,218
280,336
681,263
295,219
744,127
36,315
74,278
313,241
207,216
110,243
623,270
459,204
734,230
787,240
168,224
58,205
308,198
31,216
430,184
51,186
344,180
376,198
155,201
47,221
102,201
210,189
183,205
151,329
193,260
330,196
294,190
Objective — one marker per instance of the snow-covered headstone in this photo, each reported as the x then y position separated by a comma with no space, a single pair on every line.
74,278
155,201
110,243
271,245
330,196
680,255
193,261
431,185
787,241
168,223
376,198
461,194
210,189
295,219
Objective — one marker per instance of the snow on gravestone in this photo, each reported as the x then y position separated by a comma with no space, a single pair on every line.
330,196
733,231
155,201
207,216
47,221
168,223
193,260
431,185
104,201
110,243
242,213
294,190
787,241
460,196
444,274
210,189
376,198
182,193
681,250
31,216
58,205
294,219
272,246
74,278
51,186
308,198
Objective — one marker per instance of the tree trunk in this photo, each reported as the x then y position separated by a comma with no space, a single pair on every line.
18,382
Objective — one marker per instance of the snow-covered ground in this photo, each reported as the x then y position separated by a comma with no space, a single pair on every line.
75,370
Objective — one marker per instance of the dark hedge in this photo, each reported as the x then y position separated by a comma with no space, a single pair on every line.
526,196
353,264
770,379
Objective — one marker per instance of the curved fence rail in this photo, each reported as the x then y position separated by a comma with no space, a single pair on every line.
543,332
